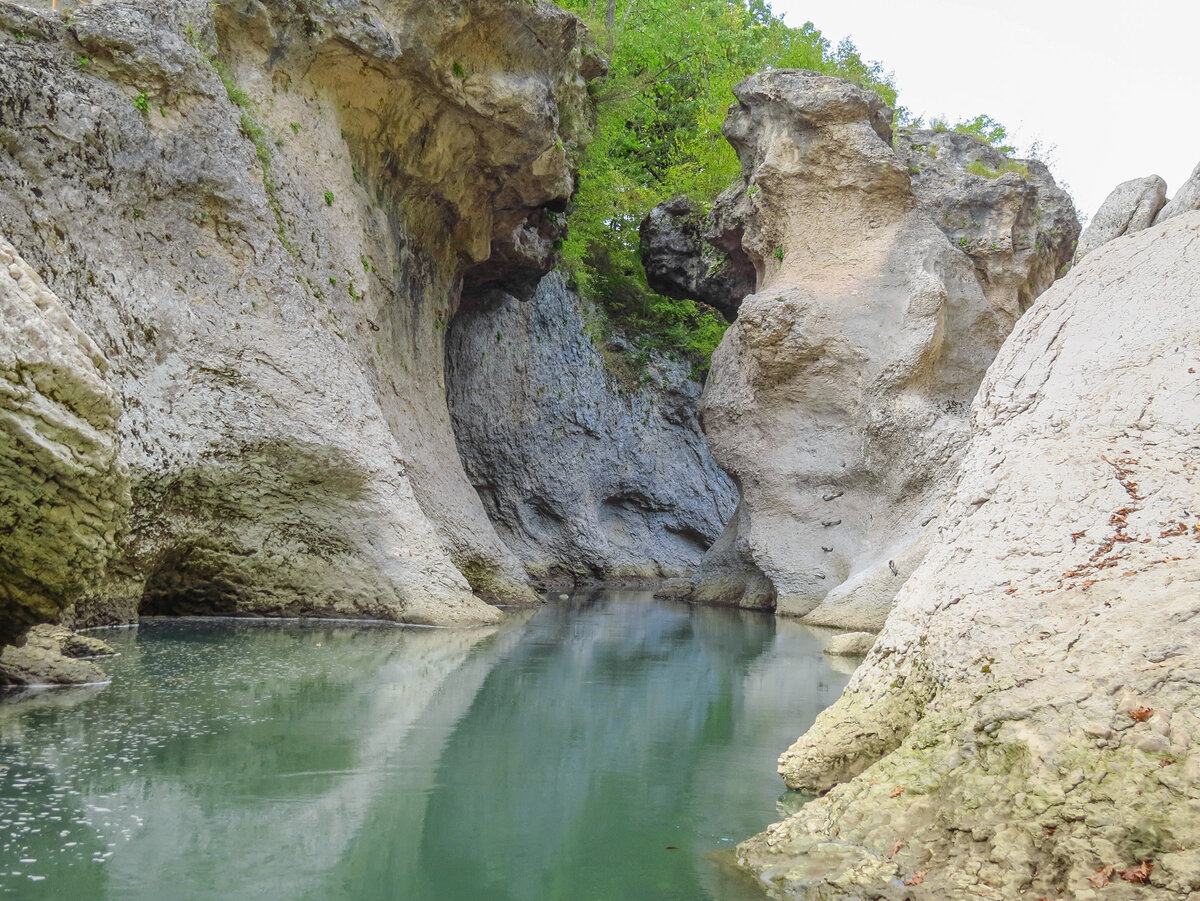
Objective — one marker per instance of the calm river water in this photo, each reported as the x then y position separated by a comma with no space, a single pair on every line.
609,748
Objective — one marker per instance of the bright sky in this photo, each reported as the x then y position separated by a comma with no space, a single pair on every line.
1113,89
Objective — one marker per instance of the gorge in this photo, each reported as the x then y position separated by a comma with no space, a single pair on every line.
288,332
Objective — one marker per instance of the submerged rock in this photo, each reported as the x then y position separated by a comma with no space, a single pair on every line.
263,215
583,478
64,489
850,644
839,398
1026,722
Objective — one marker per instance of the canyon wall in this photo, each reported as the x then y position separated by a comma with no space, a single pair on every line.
887,278
263,214
585,478
1026,722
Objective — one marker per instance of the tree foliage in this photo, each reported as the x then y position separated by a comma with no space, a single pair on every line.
673,65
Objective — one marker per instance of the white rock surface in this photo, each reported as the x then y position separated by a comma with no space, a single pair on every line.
1028,715
1186,199
1130,207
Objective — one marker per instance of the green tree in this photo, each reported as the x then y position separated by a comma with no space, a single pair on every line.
673,65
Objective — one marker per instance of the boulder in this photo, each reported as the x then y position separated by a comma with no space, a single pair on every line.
52,655
681,262
1186,199
1025,724
839,398
850,644
64,488
1129,208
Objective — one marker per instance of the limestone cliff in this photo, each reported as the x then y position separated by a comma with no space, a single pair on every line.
838,400
583,478
1026,723
64,490
263,213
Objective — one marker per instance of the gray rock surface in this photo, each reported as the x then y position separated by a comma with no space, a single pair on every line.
262,214
1026,724
839,398
582,478
1008,215
682,262
64,490
1130,207
1186,199
52,655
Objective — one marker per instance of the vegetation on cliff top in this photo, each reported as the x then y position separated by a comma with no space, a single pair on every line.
673,66
660,109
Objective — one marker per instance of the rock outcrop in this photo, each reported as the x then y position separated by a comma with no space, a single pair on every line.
1130,207
682,261
53,655
64,490
263,215
1026,723
584,479
839,398
1186,199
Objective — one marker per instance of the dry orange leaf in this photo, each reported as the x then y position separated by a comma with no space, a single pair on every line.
1140,873
1102,876
916,878
895,848
897,791
1141,714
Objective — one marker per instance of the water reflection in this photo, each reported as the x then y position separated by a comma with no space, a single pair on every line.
556,756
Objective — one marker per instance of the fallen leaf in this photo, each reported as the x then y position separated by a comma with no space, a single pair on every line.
1102,876
1140,873
1075,536
897,791
672,847
916,878
895,848
1141,714
1167,762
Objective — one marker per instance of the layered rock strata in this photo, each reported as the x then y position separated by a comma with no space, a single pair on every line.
839,398
64,490
585,479
263,214
1026,723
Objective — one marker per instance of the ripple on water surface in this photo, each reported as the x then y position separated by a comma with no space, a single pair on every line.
603,748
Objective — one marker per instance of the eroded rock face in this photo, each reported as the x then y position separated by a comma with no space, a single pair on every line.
53,655
839,398
64,489
1028,716
263,214
682,261
1130,207
584,480
1008,215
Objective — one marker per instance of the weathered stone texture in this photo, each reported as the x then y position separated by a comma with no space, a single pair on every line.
1130,207
1028,715
838,400
1186,199
64,490
584,479
263,215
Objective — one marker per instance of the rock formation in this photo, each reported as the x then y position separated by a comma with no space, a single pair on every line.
53,655
1129,207
838,400
682,261
64,490
583,478
263,214
1186,199
1025,725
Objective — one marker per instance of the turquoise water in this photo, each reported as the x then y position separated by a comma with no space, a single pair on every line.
609,748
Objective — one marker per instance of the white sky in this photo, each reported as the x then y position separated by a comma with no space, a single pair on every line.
1113,88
